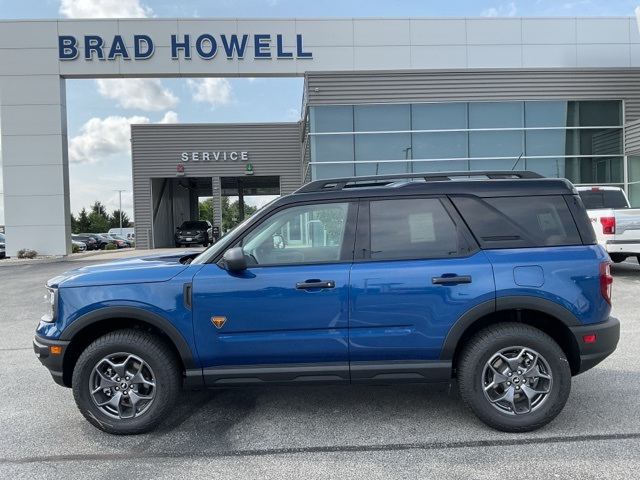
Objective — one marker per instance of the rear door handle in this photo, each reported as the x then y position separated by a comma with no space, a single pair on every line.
315,284
451,279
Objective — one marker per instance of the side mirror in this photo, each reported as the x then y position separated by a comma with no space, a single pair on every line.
234,259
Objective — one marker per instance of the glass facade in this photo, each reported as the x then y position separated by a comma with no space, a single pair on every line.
578,140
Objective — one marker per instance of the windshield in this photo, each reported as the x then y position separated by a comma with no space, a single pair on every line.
193,225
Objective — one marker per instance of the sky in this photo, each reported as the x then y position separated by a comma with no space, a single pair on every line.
99,112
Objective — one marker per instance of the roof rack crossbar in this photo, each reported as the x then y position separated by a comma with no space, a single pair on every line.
382,180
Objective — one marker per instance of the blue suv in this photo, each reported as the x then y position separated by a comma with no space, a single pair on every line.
494,279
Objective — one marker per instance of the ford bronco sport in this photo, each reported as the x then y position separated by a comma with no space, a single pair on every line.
494,279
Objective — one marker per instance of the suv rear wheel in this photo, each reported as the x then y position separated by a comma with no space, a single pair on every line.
514,377
126,382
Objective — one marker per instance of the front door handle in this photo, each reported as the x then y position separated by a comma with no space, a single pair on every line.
315,284
447,278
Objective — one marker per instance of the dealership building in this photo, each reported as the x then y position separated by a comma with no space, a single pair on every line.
559,96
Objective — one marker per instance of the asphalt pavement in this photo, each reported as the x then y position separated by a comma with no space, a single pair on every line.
372,432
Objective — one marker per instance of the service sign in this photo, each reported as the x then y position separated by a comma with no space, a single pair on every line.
206,46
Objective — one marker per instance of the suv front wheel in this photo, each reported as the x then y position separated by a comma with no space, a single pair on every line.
126,382
514,377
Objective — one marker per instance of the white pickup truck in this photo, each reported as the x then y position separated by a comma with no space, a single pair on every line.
616,224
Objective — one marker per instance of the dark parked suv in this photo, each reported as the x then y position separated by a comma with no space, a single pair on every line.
194,233
494,279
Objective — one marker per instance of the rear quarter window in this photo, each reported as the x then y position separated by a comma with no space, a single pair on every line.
519,222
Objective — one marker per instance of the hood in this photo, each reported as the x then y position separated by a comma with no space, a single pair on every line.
142,269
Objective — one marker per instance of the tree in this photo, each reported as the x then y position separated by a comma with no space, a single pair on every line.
83,222
231,213
205,210
99,209
114,220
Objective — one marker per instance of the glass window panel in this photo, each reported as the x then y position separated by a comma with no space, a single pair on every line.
382,118
545,142
496,144
496,114
545,114
319,172
415,228
297,235
441,166
599,113
594,170
385,146
634,180
594,142
331,148
492,164
331,118
634,195
440,145
439,116
548,167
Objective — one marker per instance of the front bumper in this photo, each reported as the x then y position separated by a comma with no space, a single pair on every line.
53,361
606,333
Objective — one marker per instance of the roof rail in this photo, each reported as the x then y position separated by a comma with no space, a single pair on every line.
382,180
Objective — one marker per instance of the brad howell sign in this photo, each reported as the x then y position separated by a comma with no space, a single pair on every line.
206,46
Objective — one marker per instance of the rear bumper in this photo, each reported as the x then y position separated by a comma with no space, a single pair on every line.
623,246
53,361
607,335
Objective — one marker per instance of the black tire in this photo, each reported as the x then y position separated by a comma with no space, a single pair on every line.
537,387
617,257
206,242
154,380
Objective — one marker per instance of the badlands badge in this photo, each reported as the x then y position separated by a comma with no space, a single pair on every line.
218,321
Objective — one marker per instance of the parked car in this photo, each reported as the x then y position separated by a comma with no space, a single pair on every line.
90,242
95,241
194,233
121,242
497,282
3,251
616,224
81,246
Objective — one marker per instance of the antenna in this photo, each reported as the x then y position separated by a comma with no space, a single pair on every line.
514,165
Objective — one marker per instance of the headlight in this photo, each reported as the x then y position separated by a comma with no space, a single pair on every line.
52,305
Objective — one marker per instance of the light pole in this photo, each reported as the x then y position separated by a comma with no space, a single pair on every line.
120,208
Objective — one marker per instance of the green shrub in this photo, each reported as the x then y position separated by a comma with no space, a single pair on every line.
74,248
27,253
110,246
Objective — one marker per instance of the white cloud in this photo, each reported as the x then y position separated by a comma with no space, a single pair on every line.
214,91
104,9
102,138
169,117
506,10
143,93
293,114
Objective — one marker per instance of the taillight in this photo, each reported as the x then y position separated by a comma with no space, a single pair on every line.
606,280
608,225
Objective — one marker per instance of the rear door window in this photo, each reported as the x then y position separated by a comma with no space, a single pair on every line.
412,228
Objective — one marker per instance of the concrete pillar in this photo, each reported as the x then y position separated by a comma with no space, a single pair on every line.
33,125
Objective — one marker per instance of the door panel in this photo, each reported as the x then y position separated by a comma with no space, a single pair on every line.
397,311
417,273
267,319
